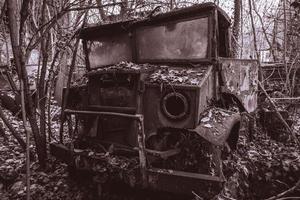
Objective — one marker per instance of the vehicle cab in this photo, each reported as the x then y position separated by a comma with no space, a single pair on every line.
154,86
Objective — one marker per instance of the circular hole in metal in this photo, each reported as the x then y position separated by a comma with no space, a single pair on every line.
175,105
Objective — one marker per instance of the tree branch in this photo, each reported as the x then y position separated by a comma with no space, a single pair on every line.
292,189
279,115
52,22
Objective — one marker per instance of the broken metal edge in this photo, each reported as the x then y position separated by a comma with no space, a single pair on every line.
219,132
173,181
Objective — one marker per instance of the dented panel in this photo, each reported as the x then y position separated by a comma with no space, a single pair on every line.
240,78
216,125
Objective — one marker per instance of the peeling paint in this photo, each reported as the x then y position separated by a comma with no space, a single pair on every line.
240,78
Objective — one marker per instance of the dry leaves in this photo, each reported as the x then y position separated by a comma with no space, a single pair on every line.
182,75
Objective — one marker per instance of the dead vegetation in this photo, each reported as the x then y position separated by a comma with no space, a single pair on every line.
260,168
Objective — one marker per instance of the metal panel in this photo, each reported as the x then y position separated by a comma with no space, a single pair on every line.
216,125
239,78
183,182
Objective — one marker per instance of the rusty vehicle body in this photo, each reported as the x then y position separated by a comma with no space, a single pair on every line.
155,82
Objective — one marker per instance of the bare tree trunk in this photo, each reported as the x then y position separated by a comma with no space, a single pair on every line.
171,4
264,30
236,27
27,142
287,78
41,85
19,58
255,41
242,30
49,92
124,9
101,11
274,42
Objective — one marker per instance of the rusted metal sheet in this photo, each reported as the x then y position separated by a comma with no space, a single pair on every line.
193,86
239,78
184,182
216,125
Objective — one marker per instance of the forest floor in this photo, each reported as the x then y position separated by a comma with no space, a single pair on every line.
262,168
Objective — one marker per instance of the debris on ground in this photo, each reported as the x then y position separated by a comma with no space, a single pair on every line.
258,169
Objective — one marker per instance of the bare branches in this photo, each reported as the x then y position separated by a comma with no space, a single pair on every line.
12,130
264,30
91,7
279,115
23,16
45,28
292,189
255,40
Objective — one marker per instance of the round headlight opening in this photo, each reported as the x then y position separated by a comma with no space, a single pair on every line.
175,105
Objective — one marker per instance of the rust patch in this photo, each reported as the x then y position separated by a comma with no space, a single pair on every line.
216,124
240,78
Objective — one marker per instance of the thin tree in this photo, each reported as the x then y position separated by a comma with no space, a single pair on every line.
17,33
236,27
264,30
255,40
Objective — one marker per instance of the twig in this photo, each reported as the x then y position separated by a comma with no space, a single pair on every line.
2,133
287,98
12,130
278,196
197,196
92,7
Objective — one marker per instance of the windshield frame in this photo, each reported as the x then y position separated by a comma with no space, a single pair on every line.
131,30
208,57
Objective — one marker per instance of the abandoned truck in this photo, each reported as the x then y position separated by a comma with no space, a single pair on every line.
159,106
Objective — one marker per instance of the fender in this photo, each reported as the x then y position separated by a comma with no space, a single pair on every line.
217,124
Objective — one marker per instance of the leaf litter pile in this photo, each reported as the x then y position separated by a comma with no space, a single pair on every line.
125,66
178,76
160,73
260,168
53,183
